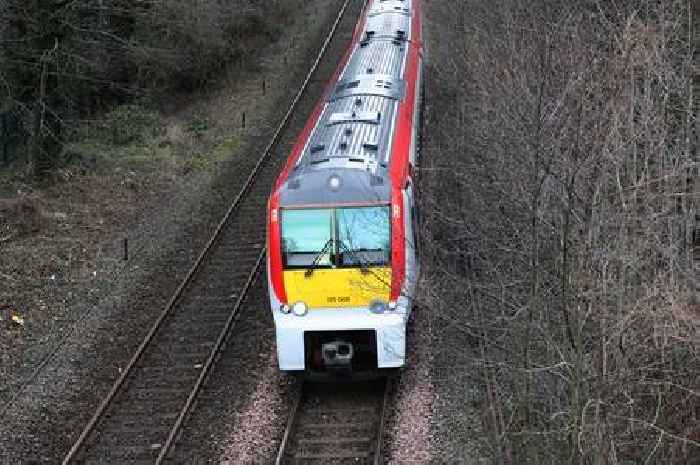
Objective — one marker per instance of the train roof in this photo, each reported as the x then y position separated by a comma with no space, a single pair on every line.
347,156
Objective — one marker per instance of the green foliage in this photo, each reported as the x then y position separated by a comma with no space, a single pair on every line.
130,122
198,125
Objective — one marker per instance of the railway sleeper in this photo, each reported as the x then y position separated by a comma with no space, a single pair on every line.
196,325
229,271
336,418
221,284
157,394
352,455
195,361
190,321
118,453
241,235
143,420
177,353
231,261
363,441
167,370
202,311
224,279
209,300
95,461
232,270
206,339
244,238
136,435
323,430
248,211
165,379
236,247
186,337
358,425
132,410
249,220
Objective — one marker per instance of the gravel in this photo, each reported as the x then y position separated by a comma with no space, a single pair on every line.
259,420
409,429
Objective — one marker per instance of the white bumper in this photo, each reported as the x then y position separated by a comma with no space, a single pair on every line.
390,330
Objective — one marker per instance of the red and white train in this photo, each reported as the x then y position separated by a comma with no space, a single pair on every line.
342,226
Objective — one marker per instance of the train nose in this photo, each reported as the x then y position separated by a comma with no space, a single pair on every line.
337,354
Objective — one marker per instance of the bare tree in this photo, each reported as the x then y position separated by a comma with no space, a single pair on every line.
562,222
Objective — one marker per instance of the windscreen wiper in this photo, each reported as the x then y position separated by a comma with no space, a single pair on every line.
314,264
363,266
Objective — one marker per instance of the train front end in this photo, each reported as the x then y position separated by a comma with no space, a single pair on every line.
330,268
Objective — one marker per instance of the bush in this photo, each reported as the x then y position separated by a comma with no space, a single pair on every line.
130,122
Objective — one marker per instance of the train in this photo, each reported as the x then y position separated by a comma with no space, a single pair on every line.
342,217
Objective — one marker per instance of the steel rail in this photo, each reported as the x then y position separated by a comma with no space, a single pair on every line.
94,420
382,421
290,426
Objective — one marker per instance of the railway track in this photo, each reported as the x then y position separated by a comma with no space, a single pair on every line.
140,418
336,424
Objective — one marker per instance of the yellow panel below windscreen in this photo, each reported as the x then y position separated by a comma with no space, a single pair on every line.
340,287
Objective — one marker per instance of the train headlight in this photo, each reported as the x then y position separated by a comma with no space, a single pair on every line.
300,309
334,183
378,307
285,309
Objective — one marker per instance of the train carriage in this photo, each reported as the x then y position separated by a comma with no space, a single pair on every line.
342,259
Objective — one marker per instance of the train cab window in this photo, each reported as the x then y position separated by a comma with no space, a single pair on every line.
364,236
307,238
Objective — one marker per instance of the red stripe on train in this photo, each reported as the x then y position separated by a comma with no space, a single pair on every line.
400,170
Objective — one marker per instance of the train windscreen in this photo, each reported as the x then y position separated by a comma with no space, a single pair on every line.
364,236
341,237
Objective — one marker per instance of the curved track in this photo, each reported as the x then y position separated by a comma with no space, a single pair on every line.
336,424
140,418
